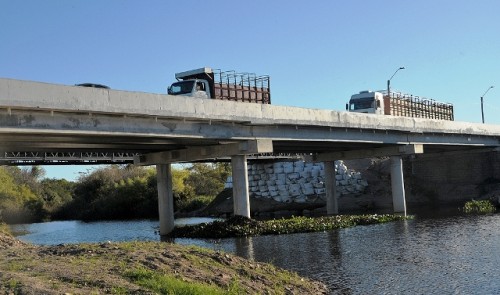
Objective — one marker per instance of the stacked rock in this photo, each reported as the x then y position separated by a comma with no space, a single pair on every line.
299,181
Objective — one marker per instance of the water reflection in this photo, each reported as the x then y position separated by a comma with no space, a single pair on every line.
455,255
244,248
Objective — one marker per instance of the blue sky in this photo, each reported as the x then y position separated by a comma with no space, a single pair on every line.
318,53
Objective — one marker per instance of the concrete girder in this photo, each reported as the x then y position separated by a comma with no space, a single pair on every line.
183,130
407,149
81,128
209,152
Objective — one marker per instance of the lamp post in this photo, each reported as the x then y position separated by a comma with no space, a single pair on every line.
482,110
389,81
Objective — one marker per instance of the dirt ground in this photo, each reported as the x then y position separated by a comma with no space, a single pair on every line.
102,268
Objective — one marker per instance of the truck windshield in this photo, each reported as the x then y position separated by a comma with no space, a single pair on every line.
361,103
182,87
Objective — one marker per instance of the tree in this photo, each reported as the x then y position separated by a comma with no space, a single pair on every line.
55,193
28,175
113,192
16,199
208,179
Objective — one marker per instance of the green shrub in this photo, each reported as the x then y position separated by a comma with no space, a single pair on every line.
479,207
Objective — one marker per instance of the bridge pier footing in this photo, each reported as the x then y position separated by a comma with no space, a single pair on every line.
165,198
241,196
397,184
332,205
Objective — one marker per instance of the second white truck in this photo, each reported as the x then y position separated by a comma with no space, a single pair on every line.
399,104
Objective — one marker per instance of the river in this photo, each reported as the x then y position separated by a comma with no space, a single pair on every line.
446,255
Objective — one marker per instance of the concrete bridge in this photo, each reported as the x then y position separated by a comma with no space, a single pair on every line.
56,124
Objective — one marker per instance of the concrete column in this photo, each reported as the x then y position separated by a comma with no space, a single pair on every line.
398,186
332,203
165,198
241,196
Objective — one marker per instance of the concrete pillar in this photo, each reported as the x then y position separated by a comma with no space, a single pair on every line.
241,196
165,198
332,203
398,186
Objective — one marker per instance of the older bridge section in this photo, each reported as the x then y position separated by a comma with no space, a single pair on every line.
56,124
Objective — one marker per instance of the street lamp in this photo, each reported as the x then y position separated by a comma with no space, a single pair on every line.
482,111
389,81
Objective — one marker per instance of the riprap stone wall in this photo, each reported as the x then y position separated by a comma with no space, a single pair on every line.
299,181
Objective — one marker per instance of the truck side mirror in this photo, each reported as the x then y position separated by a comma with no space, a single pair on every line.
346,106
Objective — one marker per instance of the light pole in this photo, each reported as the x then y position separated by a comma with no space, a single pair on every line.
482,111
389,81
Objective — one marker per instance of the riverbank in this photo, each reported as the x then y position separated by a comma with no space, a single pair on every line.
138,268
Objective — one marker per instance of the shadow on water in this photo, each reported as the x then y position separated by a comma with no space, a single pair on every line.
436,212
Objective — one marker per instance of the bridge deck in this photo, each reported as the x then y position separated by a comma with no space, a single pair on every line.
48,118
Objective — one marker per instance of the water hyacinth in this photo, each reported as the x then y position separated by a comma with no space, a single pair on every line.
239,226
479,207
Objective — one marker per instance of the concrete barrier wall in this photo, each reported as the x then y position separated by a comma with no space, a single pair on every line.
43,96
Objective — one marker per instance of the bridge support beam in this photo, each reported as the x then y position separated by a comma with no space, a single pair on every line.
398,187
165,198
241,195
332,205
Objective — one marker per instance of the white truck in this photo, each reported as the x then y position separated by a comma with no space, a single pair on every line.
224,85
399,104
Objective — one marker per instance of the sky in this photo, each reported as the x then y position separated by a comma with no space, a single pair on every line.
317,53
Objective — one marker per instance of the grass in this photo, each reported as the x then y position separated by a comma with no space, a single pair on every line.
167,284
479,207
240,226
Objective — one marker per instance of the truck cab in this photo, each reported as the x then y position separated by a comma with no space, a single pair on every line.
193,83
368,102
195,88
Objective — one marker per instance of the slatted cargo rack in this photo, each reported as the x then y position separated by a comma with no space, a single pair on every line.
247,87
408,105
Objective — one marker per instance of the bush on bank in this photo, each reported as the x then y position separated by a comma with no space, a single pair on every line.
239,226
